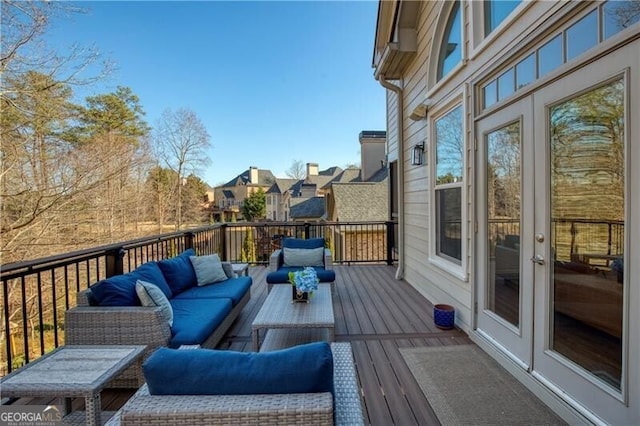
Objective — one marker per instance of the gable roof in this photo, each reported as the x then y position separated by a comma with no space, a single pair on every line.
281,185
361,201
307,207
265,178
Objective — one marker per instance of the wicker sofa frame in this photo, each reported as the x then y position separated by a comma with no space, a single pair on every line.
130,325
277,409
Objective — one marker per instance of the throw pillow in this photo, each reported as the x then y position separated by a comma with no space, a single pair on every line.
301,369
179,272
150,295
228,269
302,257
208,269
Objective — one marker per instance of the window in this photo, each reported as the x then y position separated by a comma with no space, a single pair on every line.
449,166
578,37
495,12
451,48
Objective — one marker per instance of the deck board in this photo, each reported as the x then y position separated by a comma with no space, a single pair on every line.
378,315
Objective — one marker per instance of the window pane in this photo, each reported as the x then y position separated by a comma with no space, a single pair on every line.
587,156
526,71
505,84
618,15
550,56
495,12
449,147
449,223
582,35
490,94
451,49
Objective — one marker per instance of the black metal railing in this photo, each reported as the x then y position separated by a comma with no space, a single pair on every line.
36,293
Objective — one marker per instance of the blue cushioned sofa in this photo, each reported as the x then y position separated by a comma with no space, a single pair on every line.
280,270
110,313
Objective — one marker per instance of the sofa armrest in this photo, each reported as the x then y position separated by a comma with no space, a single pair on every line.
275,261
116,325
328,259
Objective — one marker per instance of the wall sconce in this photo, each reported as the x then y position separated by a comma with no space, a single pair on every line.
417,154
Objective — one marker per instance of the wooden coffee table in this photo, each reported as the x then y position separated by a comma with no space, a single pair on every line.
72,371
289,323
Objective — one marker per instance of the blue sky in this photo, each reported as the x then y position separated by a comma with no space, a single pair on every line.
272,82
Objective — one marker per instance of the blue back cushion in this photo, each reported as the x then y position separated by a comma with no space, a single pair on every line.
304,244
120,290
300,369
151,273
179,272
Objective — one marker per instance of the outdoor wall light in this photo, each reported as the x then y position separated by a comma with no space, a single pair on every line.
417,154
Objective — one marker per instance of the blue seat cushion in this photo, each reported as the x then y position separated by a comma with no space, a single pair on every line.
303,244
178,271
195,320
282,274
120,290
300,369
232,288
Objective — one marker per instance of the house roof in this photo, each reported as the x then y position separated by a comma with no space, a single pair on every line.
281,185
307,207
265,177
361,201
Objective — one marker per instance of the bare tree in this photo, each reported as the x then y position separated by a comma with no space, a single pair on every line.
296,170
181,143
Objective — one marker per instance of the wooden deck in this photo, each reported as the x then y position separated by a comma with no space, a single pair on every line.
377,314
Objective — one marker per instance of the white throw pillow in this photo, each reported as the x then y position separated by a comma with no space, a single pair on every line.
303,257
208,269
151,295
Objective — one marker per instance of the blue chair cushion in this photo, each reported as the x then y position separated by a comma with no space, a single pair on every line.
178,271
232,288
195,320
304,244
301,369
282,275
120,290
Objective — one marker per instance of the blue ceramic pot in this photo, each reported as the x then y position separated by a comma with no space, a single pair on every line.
444,316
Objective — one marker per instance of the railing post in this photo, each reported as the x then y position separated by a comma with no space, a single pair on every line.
114,262
390,234
223,242
307,230
188,240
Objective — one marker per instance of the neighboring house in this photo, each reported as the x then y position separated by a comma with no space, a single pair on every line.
360,195
274,199
307,209
511,133
230,196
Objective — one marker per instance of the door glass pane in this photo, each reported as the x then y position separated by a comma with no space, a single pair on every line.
526,71
588,226
503,216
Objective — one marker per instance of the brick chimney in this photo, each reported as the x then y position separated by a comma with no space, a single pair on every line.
253,175
312,169
372,151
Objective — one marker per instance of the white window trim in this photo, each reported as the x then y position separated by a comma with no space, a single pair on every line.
438,33
457,270
476,24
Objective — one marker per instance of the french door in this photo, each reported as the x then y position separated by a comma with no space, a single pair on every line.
505,140
555,198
